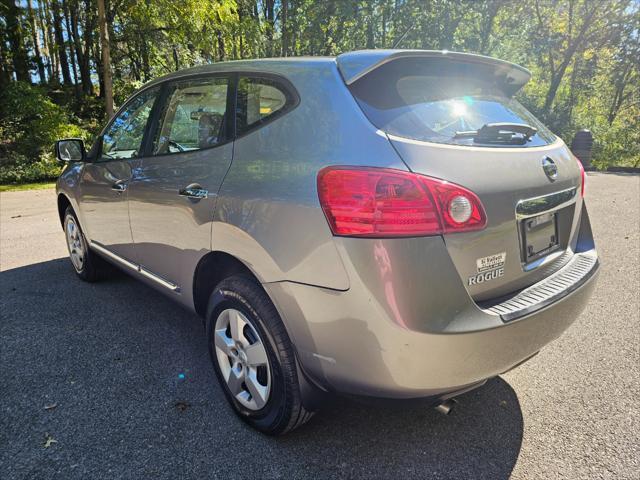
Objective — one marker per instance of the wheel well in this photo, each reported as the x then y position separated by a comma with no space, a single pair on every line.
212,269
63,203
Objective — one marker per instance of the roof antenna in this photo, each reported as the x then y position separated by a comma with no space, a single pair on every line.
397,42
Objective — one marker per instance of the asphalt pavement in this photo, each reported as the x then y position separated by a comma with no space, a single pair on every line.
112,380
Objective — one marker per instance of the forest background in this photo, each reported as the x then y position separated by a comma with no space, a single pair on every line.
64,64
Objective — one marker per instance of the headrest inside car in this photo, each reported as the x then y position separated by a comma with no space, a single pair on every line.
209,126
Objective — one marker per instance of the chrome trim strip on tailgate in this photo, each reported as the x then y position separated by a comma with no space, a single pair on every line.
545,203
560,284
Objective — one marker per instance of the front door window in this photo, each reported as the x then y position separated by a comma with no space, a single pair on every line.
194,117
123,138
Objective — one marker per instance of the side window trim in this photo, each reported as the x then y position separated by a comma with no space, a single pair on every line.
96,150
290,92
165,95
153,123
232,105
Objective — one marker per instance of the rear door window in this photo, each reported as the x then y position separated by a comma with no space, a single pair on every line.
259,101
434,100
193,117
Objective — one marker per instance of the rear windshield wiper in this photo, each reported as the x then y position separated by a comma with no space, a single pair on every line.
514,133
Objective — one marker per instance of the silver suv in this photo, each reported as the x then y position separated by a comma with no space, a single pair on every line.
386,223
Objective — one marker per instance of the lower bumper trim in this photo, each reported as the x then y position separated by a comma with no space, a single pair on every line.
571,277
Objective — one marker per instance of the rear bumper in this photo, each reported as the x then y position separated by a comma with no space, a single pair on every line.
407,327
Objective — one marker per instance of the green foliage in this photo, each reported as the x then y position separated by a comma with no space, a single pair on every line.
123,89
21,170
30,123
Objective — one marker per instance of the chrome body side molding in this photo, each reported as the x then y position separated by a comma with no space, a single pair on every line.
135,267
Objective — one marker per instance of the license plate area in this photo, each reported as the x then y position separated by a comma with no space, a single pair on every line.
539,236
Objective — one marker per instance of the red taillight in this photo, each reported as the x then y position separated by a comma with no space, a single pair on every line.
380,202
583,176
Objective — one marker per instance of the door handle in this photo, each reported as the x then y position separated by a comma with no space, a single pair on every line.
194,191
120,186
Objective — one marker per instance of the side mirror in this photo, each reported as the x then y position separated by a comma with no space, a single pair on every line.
70,150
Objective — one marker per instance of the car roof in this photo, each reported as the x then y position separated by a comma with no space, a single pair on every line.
352,65
271,65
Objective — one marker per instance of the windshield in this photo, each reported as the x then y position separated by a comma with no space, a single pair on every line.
433,99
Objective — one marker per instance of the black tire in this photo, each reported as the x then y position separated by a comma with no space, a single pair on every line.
283,410
93,267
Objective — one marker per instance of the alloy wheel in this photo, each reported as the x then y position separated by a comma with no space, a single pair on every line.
242,359
75,243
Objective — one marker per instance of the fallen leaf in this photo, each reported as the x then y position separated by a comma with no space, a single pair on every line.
49,440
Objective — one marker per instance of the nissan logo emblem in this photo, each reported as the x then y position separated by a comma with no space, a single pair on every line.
550,168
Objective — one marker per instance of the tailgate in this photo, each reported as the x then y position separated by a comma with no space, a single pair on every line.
503,179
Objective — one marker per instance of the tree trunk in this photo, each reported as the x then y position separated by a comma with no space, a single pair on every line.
285,28
176,58
53,56
5,67
87,33
220,37
16,40
621,83
146,67
59,37
45,52
106,60
558,74
240,42
36,43
487,26
83,67
221,49
370,37
97,59
72,50
269,16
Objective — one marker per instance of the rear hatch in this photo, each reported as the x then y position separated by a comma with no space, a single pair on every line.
433,108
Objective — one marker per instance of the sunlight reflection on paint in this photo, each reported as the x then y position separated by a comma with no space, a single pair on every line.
386,274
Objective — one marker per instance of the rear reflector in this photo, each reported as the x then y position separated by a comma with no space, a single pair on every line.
381,202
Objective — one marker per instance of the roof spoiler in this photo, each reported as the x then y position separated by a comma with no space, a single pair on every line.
355,65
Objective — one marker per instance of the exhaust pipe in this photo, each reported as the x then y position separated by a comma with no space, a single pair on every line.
445,406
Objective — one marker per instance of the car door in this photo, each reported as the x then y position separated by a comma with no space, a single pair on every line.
173,192
105,179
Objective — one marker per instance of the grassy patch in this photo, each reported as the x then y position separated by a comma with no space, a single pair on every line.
26,186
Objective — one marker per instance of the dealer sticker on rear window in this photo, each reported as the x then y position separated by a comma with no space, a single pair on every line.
489,268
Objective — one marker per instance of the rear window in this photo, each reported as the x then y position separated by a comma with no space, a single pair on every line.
433,99
259,100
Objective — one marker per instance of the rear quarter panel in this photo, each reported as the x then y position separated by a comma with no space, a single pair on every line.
268,213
